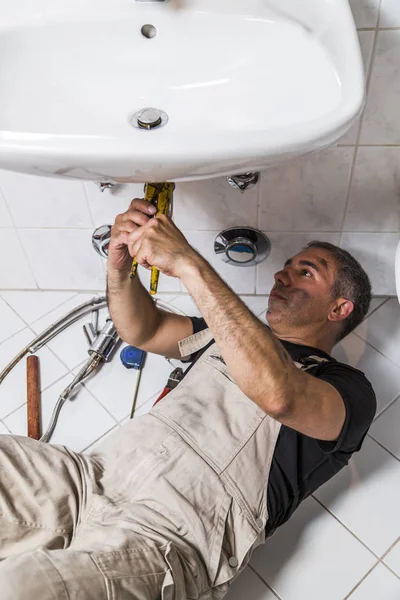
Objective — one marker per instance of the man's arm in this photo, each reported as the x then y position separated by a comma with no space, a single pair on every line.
256,359
137,319
258,362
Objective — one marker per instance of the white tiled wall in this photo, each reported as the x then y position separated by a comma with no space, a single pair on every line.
348,194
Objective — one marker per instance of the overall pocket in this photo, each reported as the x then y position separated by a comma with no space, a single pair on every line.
145,573
211,414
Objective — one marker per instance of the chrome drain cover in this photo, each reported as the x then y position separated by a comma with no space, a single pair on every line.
149,118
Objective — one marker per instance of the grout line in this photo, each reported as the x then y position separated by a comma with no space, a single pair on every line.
5,426
83,384
386,553
377,349
378,21
390,548
345,526
391,570
379,145
41,391
101,437
357,142
385,299
25,254
88,205
377,416
257,574
361,580
383,447
42,316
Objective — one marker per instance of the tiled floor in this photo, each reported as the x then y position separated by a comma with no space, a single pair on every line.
341,543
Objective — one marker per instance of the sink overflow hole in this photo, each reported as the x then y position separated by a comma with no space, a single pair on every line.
149,31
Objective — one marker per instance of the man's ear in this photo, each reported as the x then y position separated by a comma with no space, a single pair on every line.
340,310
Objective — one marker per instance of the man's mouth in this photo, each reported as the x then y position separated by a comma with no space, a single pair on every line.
276,296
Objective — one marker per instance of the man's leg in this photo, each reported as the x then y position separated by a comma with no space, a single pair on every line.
44,490
45,494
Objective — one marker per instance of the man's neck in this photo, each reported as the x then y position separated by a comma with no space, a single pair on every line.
318,340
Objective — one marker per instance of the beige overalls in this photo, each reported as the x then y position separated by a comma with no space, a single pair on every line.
170,506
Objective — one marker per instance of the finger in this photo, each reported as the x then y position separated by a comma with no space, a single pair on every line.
137,217
119,239
142,205
136,235
127,227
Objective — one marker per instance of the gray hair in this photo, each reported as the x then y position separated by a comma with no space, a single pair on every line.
351,282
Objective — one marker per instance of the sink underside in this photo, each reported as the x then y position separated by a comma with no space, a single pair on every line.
242,87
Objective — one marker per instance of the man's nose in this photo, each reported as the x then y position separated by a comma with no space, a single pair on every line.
282,277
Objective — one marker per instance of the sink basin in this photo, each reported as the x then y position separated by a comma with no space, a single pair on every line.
243,84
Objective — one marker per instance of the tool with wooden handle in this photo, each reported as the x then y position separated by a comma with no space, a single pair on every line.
160,195
33,391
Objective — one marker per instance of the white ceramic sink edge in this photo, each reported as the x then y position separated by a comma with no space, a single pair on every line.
247,139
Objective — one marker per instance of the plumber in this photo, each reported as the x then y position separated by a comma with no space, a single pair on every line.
173,504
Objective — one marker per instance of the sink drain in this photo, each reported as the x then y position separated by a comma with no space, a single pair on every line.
148,118
148,31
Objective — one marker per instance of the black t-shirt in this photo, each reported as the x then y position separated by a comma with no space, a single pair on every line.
301,464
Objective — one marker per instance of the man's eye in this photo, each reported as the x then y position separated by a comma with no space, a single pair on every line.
306,272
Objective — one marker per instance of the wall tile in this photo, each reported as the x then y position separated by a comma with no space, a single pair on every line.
382,330
365,496
357,353
70,346
311,549
100,440
105,206
376,253
63,259
113,385
390,13
44,201
186,304
366,39
13,388
5,218
10,322
379,581
308,194
165,283
14,268
381,124
257,304
240,279
374,202
385,429
249,587
284,246
376,302
33,305
3,429
392,559
365,12
213,204
72,427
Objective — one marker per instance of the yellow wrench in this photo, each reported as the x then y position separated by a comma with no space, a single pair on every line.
160,195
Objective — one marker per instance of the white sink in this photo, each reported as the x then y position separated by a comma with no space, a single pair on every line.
245,83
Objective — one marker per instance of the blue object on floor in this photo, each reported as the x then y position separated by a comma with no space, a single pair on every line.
132,358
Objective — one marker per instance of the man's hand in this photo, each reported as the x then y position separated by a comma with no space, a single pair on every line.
161,244
138,214
153,242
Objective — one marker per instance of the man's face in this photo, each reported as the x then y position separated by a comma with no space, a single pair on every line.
301,294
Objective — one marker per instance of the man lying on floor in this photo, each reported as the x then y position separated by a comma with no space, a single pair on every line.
172,505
